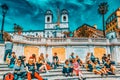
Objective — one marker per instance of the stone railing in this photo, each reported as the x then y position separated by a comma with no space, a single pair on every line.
79,39
56,39
118,39
63,41
99,40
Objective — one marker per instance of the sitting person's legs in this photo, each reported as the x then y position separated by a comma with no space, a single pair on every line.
66,71
96,71
38,76
113,69
43,67
54,65
29,76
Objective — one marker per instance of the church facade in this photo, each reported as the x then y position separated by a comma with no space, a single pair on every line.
56,29
51,29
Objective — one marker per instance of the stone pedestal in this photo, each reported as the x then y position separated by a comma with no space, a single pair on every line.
115,54
18,49
108,50
68,51
49,52
2,52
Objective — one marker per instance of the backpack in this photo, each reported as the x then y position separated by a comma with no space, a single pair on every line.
48,67
8,76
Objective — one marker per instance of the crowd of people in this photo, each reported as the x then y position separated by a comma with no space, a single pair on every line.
32,67
72,67
107,67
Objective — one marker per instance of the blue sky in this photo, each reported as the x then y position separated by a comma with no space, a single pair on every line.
30,13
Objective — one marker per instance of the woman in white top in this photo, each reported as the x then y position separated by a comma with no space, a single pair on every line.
87,57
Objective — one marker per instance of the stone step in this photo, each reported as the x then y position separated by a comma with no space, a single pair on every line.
59,68
3,66
76,78
56,74
52,76
87,76
90,77
103,78
53,70
61,74
50,72
4,72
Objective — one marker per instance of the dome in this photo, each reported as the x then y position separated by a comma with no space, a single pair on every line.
64,11
48,12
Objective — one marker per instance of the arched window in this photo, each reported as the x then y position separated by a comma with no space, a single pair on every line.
64,18
48,19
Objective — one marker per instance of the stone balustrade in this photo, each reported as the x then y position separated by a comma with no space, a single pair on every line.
63,41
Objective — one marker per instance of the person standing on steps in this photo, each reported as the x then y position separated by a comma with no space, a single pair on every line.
8,48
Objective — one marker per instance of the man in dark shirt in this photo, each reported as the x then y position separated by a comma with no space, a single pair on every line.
92,57
110,66
90,67
55,61
71,57
12,60
103,58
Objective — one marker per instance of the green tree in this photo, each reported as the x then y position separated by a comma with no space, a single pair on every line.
6,36
103,9
66,33
17,28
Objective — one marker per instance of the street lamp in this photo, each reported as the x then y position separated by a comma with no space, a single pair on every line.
4,11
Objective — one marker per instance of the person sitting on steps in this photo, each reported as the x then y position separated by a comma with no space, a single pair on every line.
110,67
71,57
41,65
47,60
12,60
76,70
79,61
31,70
99,69
67,69
92,58
90,66
55,61
19,71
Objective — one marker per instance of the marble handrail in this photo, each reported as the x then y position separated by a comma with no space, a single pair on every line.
69,40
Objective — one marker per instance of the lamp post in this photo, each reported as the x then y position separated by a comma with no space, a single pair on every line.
4,11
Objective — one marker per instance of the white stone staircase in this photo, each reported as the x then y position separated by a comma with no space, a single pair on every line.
56,74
